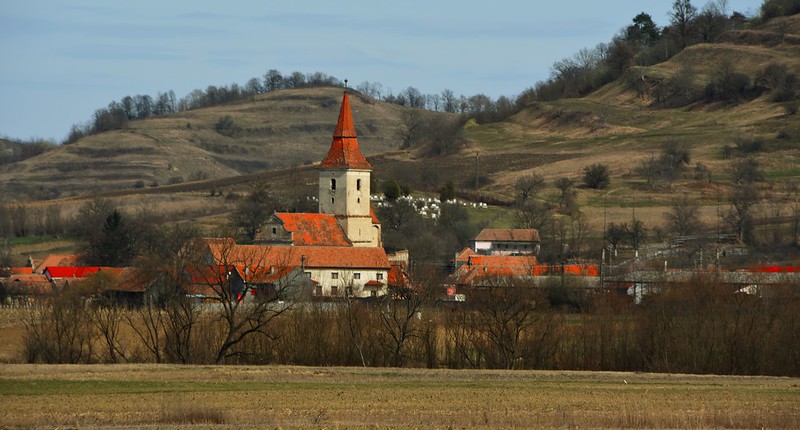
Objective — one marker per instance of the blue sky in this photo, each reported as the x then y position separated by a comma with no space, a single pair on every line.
61,60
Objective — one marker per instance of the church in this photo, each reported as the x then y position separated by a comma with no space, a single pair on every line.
340,247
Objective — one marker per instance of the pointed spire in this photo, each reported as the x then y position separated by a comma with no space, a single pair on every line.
344,152
345,127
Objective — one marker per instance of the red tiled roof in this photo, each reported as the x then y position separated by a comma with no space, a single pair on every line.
76,271
310,229
263,275
56,260
208,275
398,276
29,285
22,270
344,152
482,266
307,256
509,235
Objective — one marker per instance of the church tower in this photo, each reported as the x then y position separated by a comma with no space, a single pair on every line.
344,183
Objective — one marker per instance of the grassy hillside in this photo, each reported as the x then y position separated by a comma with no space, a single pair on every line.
270,131
620,125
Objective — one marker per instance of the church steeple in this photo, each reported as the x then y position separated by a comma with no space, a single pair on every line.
344,183
344,152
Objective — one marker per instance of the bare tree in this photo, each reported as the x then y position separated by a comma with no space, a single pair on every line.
449,101
683,218
243,317
412,128
740,214
681,21
356,320
528,187
106,315
533,214
506,310
58,332
566,194
398,312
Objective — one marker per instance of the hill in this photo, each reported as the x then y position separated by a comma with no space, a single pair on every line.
270,131
621,125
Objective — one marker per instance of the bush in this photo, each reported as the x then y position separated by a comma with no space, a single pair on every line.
448,192
226,126
728,84
596,176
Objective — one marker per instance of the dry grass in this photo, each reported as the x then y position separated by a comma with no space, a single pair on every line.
120,396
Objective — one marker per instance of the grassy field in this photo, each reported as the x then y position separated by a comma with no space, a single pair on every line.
169,396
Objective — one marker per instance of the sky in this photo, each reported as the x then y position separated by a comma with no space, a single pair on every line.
62,60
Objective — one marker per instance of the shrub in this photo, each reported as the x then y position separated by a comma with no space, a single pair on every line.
226,126
728,84
448,192
596,176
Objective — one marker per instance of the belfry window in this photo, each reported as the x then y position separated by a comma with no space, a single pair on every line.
333,183
358,184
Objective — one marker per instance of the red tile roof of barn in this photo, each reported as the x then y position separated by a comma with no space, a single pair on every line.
509,235
313,229
344,152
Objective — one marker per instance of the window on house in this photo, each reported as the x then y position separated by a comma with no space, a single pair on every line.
318,290
356,276
308,274
274,231
379,276
373,293
333,183
348,291
332,200
358,184
334,275
334,290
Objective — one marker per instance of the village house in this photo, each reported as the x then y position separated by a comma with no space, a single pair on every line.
26,285
339,248
476,270
507,241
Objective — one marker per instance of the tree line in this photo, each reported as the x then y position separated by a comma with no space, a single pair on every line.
117,114
701,326
643,43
